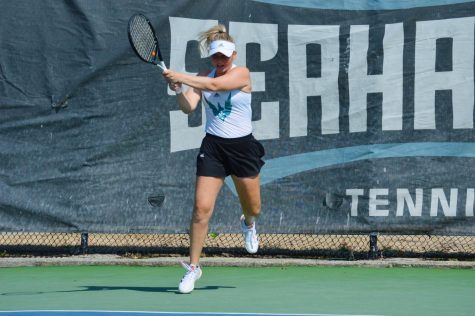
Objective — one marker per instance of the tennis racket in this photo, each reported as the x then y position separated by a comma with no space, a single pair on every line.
144,41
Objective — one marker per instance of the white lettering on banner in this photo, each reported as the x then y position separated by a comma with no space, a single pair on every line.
438,202
448,207
182,136
389,82
469,203
354,193
374,202
266,36
301,87
459,80
404,198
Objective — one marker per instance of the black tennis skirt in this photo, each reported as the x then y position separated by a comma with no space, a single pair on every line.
221,157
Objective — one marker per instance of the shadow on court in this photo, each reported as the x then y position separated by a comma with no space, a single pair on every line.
153,289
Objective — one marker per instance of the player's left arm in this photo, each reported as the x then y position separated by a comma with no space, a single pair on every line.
237,78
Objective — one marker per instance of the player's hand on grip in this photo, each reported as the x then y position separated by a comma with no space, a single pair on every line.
171,76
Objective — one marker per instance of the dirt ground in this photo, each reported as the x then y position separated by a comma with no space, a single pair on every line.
291,242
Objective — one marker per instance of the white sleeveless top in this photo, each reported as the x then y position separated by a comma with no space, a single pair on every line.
228,113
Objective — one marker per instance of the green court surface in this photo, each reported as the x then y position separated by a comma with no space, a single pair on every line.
275,290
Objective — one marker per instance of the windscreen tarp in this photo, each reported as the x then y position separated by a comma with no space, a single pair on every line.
366,113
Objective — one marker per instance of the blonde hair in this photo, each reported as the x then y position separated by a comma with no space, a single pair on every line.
216,33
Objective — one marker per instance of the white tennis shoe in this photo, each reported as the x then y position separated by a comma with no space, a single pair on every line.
250,236
193,273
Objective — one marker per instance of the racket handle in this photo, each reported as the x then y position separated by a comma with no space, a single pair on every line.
162,66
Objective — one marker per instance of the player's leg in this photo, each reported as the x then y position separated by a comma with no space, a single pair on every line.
207,189
248,189
249,192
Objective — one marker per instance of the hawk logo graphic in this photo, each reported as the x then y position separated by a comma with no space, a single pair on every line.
219,111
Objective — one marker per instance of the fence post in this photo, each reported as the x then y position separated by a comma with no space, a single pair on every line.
84,243
373,246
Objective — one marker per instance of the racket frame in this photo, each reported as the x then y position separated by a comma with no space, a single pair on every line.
158,59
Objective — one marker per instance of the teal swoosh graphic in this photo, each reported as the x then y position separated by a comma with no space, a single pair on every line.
362,5
282,167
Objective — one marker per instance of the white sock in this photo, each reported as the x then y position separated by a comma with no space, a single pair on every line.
251,219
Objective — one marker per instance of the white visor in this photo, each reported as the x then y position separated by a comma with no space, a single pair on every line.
223,47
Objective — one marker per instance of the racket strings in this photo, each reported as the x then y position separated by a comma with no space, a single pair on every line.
143,39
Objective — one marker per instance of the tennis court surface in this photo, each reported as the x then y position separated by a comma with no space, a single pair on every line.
118,290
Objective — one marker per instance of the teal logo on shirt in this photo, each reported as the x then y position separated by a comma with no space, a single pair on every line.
219,111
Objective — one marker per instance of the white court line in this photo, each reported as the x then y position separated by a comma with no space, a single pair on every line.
170,313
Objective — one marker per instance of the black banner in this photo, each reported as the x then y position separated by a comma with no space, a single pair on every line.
366,116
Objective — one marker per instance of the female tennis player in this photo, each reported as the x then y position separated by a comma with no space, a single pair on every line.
228,148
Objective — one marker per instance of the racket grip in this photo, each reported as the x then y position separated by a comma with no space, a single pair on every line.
162,65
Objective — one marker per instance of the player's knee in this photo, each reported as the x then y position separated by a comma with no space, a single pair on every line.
255,210
201,214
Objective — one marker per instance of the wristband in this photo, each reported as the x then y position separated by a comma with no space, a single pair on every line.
178,90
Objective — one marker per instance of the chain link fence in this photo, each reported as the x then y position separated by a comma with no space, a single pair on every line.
349,247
